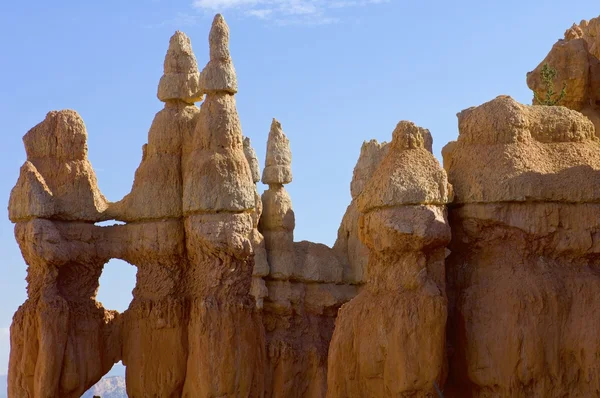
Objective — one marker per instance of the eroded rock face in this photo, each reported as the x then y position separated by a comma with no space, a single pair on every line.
303,284
190,230
352,252
523,272
62,340
227,304
389,341
576,59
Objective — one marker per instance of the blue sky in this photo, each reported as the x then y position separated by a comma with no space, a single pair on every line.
335,73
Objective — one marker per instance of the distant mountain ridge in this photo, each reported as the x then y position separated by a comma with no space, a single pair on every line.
108,387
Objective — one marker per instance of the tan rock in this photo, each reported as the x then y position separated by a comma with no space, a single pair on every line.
181,80
278,162
316,262
252,160
413,177
371,154
219,74
353,254
31,197
522,252
57,180
404,300
540,153
577,63
216,174
158,187
277,224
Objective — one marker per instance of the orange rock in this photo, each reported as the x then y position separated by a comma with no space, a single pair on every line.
389,340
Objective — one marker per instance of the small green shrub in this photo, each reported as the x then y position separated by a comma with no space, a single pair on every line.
548,75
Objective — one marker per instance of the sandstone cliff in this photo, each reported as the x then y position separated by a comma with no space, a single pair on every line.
523,273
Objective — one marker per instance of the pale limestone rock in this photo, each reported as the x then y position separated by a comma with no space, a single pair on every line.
181,79
57,180
411,177
216,174
540,153
371,154
219,74
252,160
259,291
31,197
278,162
277,224
158,189
353,254
315,262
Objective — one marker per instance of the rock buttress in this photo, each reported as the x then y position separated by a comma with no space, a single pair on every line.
523,274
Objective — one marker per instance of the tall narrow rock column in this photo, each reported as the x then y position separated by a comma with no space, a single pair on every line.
226,345
389,341
278,221
261,266
154,335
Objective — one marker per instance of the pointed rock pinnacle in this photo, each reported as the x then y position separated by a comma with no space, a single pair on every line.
278,162
219,74
252,160
181,78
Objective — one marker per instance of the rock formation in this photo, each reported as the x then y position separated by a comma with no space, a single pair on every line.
277,221
304,290
523,273
226,304
348,245
62,340
576,59
389,341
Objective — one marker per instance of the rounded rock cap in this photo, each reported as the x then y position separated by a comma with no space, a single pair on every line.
409,174
181,78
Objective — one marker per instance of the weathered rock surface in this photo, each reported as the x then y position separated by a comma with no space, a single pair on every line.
226,304
278,163
219,74
389,341
576,59
181,80
523,272
351,251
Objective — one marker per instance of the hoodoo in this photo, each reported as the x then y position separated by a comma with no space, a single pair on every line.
479,279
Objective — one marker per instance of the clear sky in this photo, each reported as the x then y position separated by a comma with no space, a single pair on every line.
335,73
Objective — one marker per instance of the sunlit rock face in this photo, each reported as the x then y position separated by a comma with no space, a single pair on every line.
389,341
209,283
576,59
227,304
523,273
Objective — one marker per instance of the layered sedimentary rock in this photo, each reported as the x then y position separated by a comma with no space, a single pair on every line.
576,59
218,201
226,304
303,287
190,219
389,341
62,340
524,272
